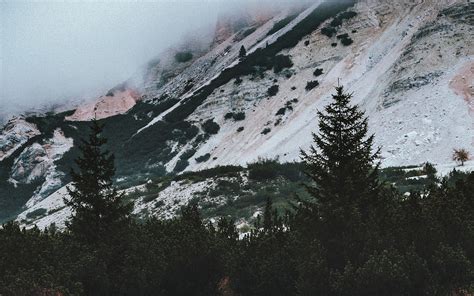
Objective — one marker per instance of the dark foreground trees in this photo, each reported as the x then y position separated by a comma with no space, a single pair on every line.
356,237
98,208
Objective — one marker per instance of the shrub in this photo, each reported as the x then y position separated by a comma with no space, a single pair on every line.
328,31
306,43
266,131
180,165
281,111
336,22
334,44
238,81
239,116
347,14
273,90
203,158
342,36
201,138
263,169
210,127
347,41
236,116
311,84
240,129
318,72
187,154
183,56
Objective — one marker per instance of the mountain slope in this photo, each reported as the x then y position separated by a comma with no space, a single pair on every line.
409,64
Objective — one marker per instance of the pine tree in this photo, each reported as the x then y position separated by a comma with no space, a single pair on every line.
98,209
345,174
242,52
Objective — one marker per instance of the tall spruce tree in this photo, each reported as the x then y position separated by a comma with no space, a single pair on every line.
98,209
345,173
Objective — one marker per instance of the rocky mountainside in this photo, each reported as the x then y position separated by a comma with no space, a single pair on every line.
409,64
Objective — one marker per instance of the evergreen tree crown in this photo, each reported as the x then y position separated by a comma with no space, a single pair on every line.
97,206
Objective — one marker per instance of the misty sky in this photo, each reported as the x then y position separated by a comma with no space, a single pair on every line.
53,51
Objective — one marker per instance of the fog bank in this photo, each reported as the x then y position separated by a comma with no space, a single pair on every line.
56,51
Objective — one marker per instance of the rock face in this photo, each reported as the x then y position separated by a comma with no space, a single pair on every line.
14,134
114,103
463,84
30,165
408,63
37,162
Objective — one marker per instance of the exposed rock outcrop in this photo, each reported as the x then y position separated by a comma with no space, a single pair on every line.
37,162
114,103
14,134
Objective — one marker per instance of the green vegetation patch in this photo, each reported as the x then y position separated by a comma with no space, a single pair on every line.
183,56
36,213
210,127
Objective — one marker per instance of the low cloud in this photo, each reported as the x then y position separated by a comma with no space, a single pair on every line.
56,51
52,52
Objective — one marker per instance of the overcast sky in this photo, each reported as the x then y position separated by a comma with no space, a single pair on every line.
53,51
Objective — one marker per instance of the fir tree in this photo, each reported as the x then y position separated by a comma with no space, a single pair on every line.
242,52
98,208
345,174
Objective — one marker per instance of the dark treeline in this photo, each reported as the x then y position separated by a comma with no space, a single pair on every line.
357,236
